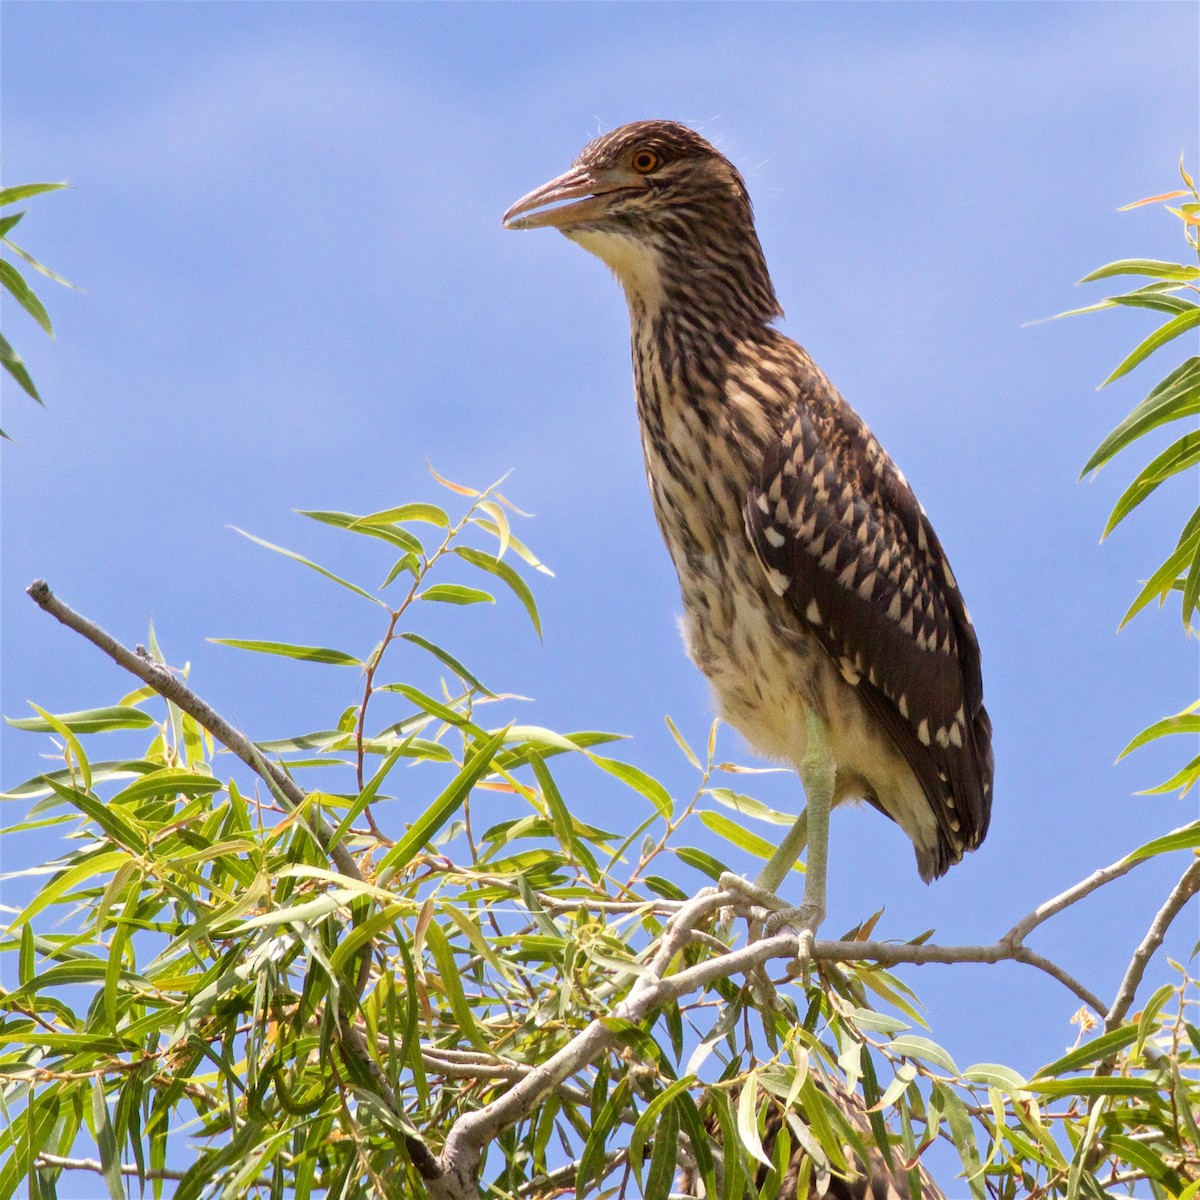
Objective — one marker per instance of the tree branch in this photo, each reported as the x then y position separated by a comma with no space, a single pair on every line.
1181,893
281,784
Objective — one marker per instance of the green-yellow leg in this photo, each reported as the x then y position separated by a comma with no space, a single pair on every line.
817,773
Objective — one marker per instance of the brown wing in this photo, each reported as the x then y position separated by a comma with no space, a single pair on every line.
844,539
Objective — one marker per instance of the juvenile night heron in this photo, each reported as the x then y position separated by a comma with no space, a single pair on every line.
817,598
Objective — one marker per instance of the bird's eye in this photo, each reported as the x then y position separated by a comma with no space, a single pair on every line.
645,161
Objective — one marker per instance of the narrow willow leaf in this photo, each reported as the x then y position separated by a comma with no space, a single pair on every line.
320,654
169,781
644,1126
1177,457
1160,584
913,1046
91,720
447,967
9,223
73,746
458,488
442,809
639,781
1148,1021
312,566
1087,1085
1160,337
1176,395
591,1161
1145,266
739,836
14,364
750,807
1090,1052
448,660
518,547
701,861
996,1075
663,1157
1182,781
1187,721
454,593
14,282
106,1143
962,1133
488,562
429,513
387,533
22,191
681,742
435,708
747,1119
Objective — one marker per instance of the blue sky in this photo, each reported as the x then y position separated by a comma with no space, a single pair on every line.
286,225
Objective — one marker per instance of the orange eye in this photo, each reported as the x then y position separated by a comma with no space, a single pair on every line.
645,161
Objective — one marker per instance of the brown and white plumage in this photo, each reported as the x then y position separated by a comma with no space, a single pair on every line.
811,578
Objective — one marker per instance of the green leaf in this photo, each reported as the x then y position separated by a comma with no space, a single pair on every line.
1145,266
1176,458
7,224
14,281
995,1075
448,660
429,513
488,562
1090,1052
22,191
90,720
320,654
701,861
1159,338
443,808
663,1155
636,778
750,807
387,533
747,1119
1176,395
912,1046
312,566
1089,1085
1187,838
646,1124
591,1161
963,1135
453,593
14,364
106,1143
1162,582
447,967
741,837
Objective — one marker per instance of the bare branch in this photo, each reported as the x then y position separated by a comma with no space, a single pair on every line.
170,688
1181,893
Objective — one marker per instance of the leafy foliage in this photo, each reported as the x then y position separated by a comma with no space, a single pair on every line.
1173,290
16,285
207,1004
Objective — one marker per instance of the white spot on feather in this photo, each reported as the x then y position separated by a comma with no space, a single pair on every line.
813,612
778,581
923,731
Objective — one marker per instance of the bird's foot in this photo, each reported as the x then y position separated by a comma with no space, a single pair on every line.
803,922
778,917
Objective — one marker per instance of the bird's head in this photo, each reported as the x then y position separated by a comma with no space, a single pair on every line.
666,211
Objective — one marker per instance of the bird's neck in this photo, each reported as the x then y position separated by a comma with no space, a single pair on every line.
707,281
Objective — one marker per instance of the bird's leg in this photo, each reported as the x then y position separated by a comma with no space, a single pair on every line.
817,773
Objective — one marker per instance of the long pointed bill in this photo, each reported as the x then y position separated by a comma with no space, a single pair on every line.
585,187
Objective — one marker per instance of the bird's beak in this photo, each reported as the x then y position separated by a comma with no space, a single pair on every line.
583,185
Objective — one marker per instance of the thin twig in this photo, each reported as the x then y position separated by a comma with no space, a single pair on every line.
1181,893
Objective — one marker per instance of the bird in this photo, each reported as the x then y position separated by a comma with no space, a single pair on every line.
817,598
